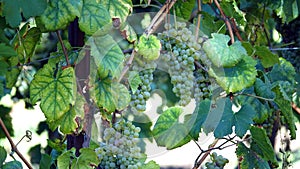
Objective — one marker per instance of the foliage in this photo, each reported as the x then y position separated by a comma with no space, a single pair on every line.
102,56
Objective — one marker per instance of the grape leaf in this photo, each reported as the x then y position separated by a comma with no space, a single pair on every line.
87,158
184,9
168,131
149,47
268,59
46,161
118,8
151,165
109,95
243,119
221,54
134,80
107,55
239,77
144,122
12,77
93,17
13,9
12,165
3,155
7,120
282,72
264,90
7,51
286,11
55,89
128,32
250,159
66,122
286,110
58,14
262,142
64,160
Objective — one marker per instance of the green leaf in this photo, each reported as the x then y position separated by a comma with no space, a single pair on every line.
250,159
128,32
282,72
13,9
66,122
268,59
243,119
55,88
239,77
58,14
87,158
149,47
221,54
107,55
286,110
168,131
151,165
118,8
3,155
263,90
134,80
261,140
64,160
144,122
93,17
7,120
7,51
287,11
184,9
12,165
12,77
109,95
46,161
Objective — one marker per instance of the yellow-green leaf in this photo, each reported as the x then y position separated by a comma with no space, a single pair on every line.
118,8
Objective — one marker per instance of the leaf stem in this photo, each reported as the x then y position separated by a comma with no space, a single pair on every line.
13,146
258,97
63,48
198,163
226,21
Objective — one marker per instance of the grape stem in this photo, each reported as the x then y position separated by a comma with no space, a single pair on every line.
13,145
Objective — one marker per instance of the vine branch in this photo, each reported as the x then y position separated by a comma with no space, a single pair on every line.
198,19
295,107
13,145
63,47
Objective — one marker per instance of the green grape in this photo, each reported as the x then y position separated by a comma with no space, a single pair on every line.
268,124
217,161
202,85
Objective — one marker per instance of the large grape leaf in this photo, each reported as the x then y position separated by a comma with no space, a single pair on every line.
282,72
58,14
168,131
243,119
221,54
262,145
286,110
64,160
110,95
268,59
13,10
107,55
263,89
93,17
55,88
236,78
118,8
184,9
7,51
250,159
87,158
66,122
149,47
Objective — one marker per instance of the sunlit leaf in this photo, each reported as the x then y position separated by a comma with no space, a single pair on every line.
87,158
66,122
184,9
134,80
268,59
168,132
239,77
128,32
151,165
55,89
64,160
58,14
121,96
221,54
93,17
118,8
13,10
149,47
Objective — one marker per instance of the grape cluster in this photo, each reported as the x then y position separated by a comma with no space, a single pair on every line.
119,148
293,57
268,124
142,94
180,50
217,161
202,85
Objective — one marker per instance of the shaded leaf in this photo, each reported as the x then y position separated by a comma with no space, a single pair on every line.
7,51
134,80
121,96
221,54
282,72
263,90
184,9
118,8
46,161
13,9
7,120
93,17
58,14
12,165
268,59
55,89
168,131
3,155
243,119
12,77
149,47
239,77
66,122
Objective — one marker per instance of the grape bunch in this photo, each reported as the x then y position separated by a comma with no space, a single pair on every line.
268,124
293,57
119,148
180,50
142,94
202,85
217,161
